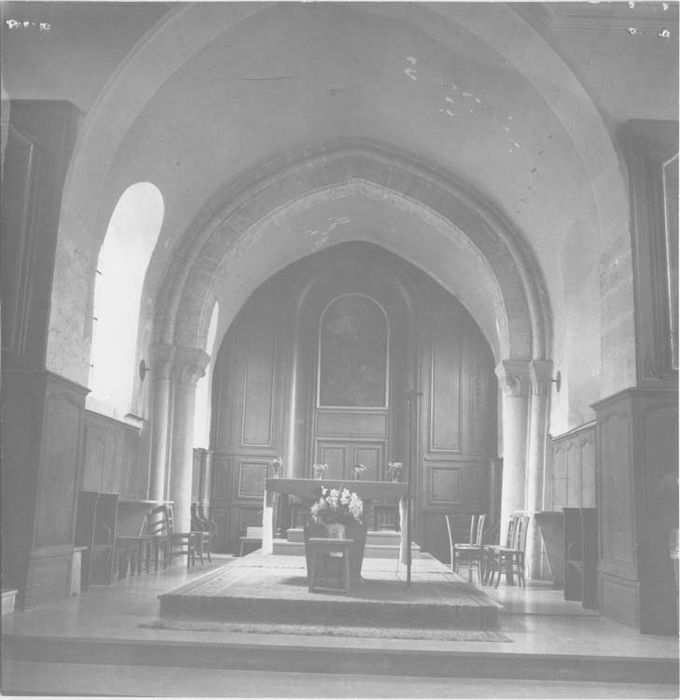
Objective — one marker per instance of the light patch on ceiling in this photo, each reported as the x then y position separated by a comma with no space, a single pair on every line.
412,72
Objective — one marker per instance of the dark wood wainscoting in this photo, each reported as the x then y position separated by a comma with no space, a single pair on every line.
637,478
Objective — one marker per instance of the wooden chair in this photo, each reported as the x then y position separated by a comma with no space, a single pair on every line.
131,550
159,530
490,550
202,529
179,543
510,560
472,550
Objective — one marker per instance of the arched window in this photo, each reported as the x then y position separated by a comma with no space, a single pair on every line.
202,406
353,346
123,260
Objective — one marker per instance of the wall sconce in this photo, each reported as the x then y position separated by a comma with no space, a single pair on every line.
144,368
557,381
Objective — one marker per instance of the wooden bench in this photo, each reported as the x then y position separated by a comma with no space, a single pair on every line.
253,536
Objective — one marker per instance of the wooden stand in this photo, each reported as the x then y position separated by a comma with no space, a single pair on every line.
580,556
323,548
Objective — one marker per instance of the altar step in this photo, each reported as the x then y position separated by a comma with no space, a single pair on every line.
268,589
380,544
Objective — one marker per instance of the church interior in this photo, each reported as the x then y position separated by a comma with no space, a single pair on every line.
427,252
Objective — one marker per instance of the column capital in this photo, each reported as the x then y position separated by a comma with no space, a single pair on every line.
190,364
513,376
541,376
163,357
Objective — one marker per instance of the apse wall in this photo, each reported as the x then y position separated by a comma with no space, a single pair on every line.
266,404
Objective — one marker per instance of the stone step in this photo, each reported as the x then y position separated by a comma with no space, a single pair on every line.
269,653
379,551
379,537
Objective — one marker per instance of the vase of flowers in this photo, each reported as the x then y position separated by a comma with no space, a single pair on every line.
319,470
394,470
358,470
337,509
275,467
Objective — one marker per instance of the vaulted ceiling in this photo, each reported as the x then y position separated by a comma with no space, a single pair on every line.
519,103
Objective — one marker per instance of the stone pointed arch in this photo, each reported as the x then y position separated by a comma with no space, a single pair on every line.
509,273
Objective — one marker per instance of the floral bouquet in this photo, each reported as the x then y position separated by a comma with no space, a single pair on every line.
337,506
358,470
319,470
394,470
276,465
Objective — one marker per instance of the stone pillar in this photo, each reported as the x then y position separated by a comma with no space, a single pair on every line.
540,372
189,367
163,356
513,377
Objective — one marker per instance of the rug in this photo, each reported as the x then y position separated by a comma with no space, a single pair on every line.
461,635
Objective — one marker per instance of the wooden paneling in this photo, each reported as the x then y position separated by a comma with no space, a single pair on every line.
648,145
351,424
42,434
113,458
372,457
616,500
335,456
251,476
221,470
266,390
39,143
58,480
342,456
637,476
258,388
445,485
571,481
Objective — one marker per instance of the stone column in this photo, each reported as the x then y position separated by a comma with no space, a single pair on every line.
189,367
540,372
513,376
163,356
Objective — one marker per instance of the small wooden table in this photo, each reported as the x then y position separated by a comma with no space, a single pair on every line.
320,547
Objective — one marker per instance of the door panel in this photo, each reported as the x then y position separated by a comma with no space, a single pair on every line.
342,456
335,456
371,456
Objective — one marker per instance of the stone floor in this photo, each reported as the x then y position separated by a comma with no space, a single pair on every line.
537,620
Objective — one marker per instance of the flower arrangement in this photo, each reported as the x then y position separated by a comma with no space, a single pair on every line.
319,470
276,465
358,470
337,506
394,470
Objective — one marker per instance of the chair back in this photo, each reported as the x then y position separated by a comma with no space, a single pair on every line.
512,528
479,534
473,529
159,521
520,535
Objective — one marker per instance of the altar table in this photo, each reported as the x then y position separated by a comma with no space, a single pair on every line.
307,489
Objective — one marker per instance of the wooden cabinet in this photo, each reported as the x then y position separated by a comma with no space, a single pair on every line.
580,555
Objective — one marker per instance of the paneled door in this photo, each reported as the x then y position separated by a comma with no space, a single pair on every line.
342,456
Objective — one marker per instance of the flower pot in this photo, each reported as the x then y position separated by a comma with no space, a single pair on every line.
335,531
